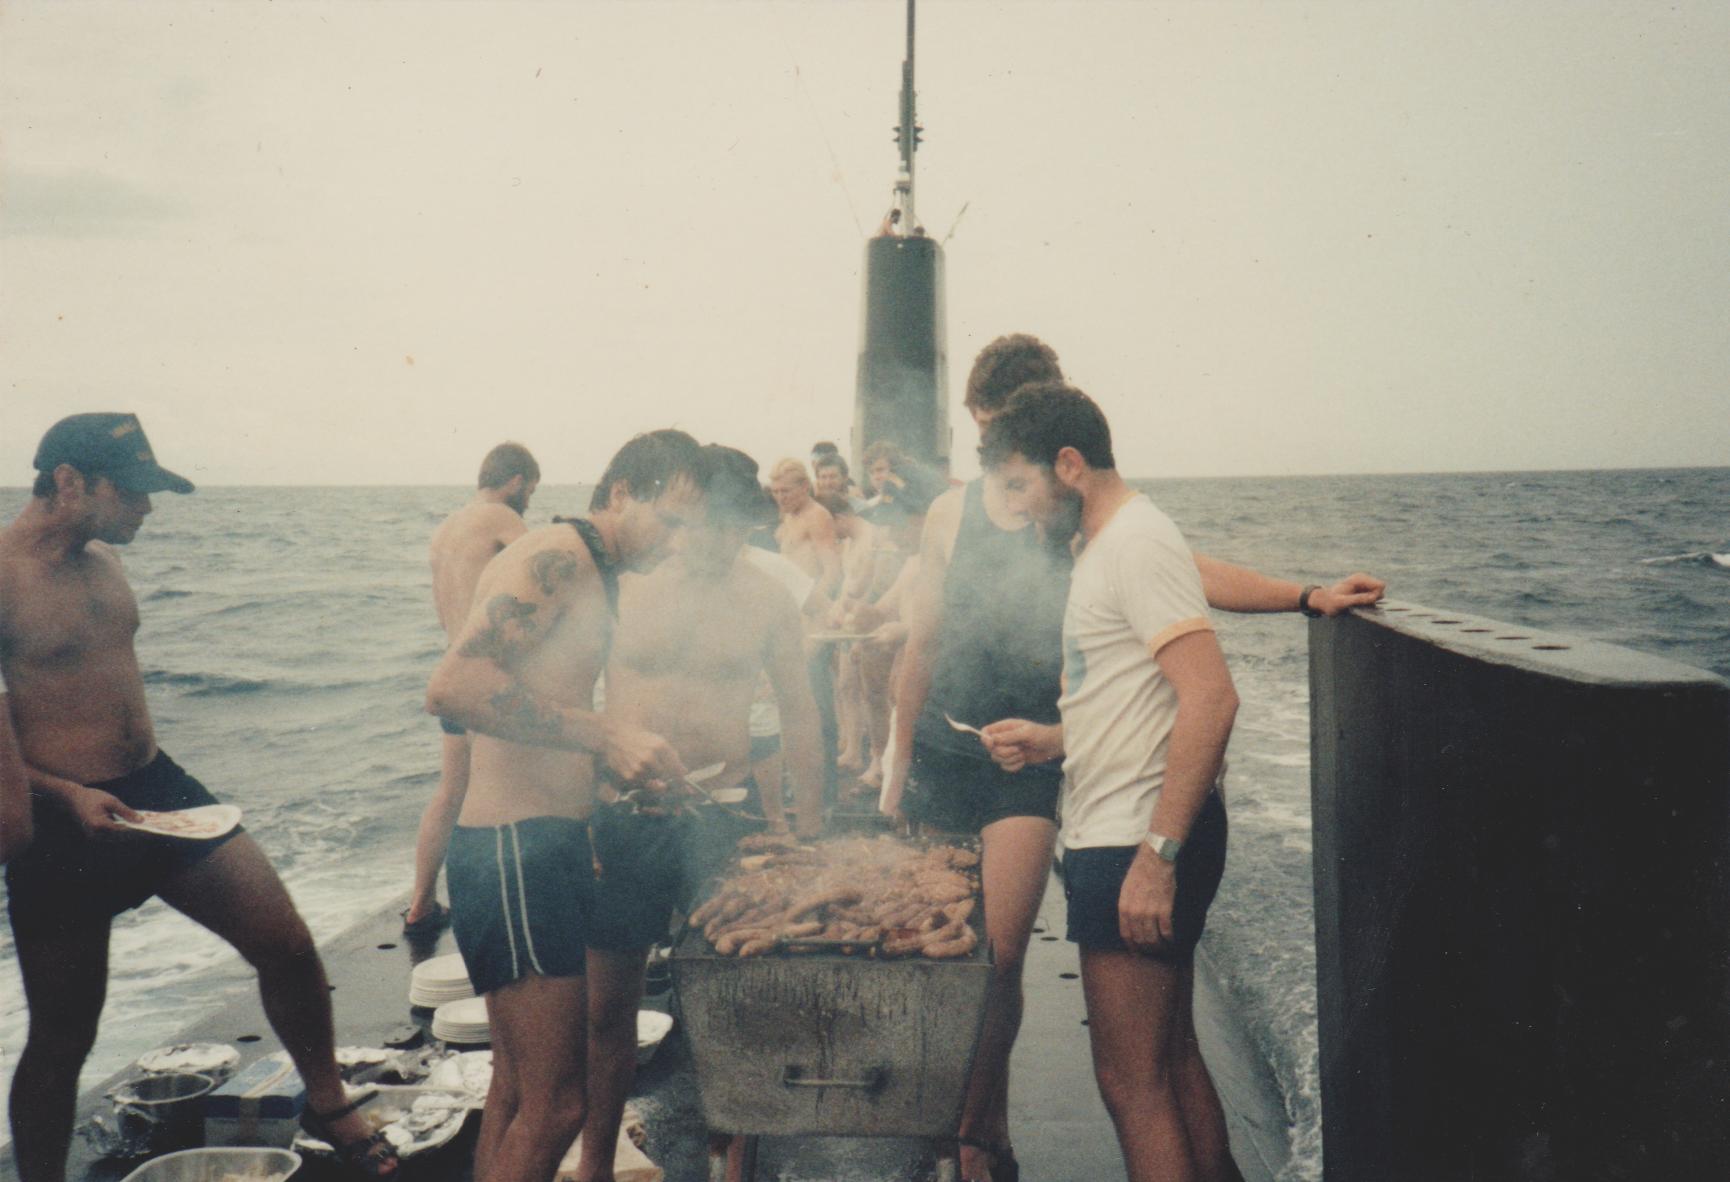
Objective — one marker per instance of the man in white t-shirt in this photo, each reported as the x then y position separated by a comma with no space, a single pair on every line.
1147,708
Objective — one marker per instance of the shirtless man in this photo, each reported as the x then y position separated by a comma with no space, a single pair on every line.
694,637
524,906
697,633
807,532
863,577
461,547
67,621
985,646
807,538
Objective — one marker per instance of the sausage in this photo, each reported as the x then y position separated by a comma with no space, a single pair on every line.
842,895
764,918
708,910
734,941
918,941
899,917
961,945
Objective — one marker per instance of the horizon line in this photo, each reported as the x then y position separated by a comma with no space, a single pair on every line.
1233,476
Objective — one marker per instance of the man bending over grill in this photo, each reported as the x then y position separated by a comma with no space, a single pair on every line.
520,677
694,637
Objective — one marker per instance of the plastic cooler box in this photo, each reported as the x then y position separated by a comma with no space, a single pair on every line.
260,1105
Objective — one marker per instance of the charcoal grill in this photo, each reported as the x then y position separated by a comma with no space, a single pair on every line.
818,1043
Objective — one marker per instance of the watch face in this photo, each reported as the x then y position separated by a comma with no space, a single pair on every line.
1165,847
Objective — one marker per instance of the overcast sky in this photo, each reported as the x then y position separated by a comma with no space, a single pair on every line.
353,243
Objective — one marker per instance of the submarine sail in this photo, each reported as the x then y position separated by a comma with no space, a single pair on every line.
902,391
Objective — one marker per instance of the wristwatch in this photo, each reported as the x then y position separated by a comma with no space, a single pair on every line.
1304,602
1165,847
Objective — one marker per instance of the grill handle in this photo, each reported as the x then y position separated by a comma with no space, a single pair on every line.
793,1076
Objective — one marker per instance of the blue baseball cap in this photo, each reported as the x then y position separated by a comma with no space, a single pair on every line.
111,445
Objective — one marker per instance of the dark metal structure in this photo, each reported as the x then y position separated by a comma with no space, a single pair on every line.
903,380
1522,866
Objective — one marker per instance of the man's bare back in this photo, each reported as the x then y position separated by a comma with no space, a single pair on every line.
461,547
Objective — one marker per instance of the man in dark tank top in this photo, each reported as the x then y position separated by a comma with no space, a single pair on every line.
985,647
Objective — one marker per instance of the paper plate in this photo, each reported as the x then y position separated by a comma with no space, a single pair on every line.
215,1059
462,1021
442,970
470,1072
415,1120
198,824
439,980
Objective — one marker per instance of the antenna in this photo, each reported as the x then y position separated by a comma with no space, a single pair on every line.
907,135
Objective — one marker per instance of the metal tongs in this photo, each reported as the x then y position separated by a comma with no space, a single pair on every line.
691,784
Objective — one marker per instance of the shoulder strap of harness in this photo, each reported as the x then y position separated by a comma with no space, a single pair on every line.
603,563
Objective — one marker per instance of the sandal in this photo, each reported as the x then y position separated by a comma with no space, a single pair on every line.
436,919
1004,1167
372,1155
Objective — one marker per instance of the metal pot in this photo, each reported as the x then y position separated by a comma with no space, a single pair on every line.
158,1112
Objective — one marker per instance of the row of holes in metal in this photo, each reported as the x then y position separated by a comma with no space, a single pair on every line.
1440,620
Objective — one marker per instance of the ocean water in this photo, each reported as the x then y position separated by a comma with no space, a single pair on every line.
288,633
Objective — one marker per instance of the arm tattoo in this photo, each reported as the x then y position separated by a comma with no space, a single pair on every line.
523,716
510,622
553,567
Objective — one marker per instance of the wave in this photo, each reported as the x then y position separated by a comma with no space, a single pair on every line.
162,593
204,685
1697,557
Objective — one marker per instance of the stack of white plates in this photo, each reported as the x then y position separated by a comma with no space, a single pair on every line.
436,981
462,1022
